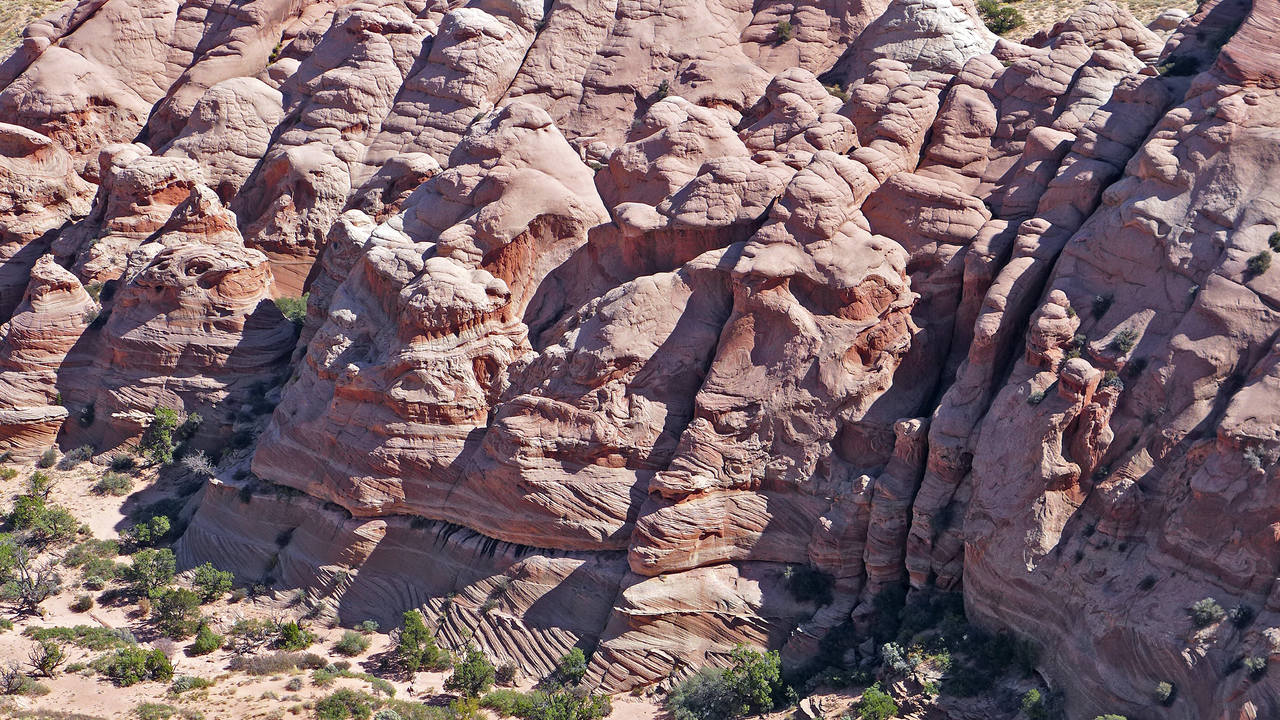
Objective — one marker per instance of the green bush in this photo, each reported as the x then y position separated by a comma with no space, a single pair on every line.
1274,241
148,533
184,683
417,649
276,663
472,675
132,665
295,309
1000,18
351,644
1124,340
176,612
294,637
151,569
345,703
157,442
1260,263
558,705
747,687
571,668
206,641
113,483
82,603
1206,612
875,704
48,458
89,637
1164,692
1256,666
783,31
89,550
211,582
123,462
368,627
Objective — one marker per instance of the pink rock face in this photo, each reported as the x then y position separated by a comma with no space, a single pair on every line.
39,191
623,316
54,312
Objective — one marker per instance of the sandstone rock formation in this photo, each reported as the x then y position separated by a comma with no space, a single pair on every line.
623,316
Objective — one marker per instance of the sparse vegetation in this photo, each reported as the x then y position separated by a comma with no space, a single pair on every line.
151,569
875,704
472,675
293,308
48,458
1164,692
1036,397
206,641
276,663
157,442
1205,612
748,687
351,644
176,612
113,483
417,649
1260,263
292,636
1123,341
131,665
1255,666
783,31
211,582
1000,18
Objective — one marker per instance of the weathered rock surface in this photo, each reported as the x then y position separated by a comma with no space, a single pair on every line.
623,314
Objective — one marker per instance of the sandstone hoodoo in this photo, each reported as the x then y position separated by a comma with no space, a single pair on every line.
659,329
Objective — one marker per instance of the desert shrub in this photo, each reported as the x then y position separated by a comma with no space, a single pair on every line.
82,603
1038,706
558,705
176,612
784,31
351,644
86,552
875,704
472,675
294,637
26,582
185,683
1260,263
157,442
276,663
1036,397
747,687
249,635
113,483
151,569
570,669
13,681
1241,615
998,17
505,674
48,458
1123,341
75,456
1206,612
206,641
1164,692
1256,666
197,463
89,637
293,308
1110,716
123,462
46,657
8,473
345,703
417,649
368,627
211,582
152,531
131,665
806,583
